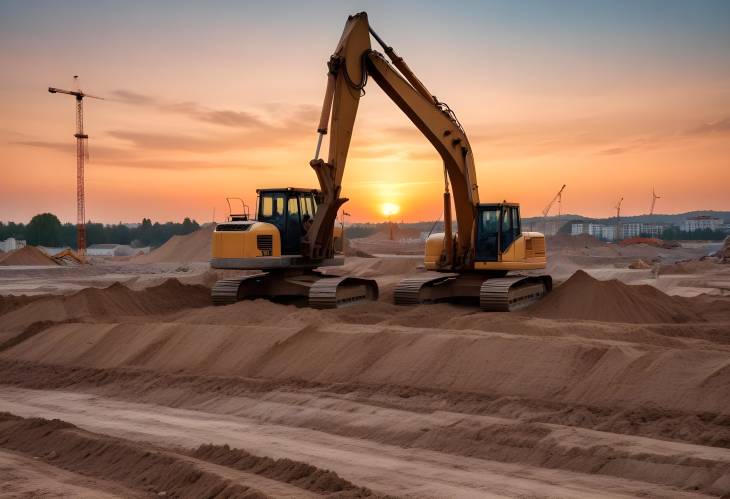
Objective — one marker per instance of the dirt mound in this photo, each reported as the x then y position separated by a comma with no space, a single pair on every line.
193,247
688,267
639,264
583,297
302,475
114,301
12,302
581,241
724,252
145,468
382,266
651,241
28,255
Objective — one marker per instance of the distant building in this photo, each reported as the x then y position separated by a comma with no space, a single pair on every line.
577,229
11,244
653,230
631,229
595,230
702,222
608,232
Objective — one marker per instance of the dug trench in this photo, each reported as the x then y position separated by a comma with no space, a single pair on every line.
637,397
206,471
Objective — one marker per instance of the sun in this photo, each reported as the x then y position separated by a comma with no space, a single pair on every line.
390,209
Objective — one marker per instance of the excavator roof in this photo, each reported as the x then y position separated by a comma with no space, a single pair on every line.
287,189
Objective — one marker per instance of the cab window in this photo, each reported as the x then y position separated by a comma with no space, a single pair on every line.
271,208
507,232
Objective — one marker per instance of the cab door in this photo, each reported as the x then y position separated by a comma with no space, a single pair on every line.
488,233
293,235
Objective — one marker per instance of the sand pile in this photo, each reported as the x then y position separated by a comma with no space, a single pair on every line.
116,300
194,247
639,264
144,468
688,267
724,253
384,266
583,297
28,255
399,233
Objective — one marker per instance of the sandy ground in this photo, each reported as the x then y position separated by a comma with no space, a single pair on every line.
609,388
26,477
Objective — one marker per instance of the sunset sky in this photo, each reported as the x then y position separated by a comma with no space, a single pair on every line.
212,99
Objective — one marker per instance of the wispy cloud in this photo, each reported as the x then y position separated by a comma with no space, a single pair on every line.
127,158
195,111
712,128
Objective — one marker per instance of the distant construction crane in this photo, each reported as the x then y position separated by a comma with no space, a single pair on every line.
654,197
81,154
618,218
559,198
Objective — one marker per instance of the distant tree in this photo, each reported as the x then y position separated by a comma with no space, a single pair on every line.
44,230
68,235
189,226
95,233
119,234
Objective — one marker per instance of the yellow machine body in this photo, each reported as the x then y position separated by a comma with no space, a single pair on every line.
251,240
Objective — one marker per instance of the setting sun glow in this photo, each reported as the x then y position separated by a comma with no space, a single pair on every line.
390,209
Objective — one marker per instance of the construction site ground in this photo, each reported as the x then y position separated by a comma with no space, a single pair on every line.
118,379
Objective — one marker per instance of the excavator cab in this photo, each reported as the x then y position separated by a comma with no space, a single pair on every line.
289,210
498,226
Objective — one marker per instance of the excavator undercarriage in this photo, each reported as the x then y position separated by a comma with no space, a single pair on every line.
494,294
317,289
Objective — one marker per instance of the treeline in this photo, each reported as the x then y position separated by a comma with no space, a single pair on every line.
47,230
675,234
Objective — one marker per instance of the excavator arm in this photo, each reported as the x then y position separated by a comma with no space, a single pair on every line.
349,68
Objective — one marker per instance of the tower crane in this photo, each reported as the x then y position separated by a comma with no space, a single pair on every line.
618,218
82,153
654,197
559,198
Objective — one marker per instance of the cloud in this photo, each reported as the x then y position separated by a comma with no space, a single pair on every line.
128,158
614,150
712,128
224,117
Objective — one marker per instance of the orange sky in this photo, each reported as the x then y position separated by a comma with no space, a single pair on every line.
204,105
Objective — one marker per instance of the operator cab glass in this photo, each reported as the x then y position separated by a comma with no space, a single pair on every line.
498,226
289,210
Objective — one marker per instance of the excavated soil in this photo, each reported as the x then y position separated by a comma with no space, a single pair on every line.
164,472
27,255
611,386
193,247
586,298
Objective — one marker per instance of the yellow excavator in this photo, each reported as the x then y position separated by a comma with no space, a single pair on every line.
293,231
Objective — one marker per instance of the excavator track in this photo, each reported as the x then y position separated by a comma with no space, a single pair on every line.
227,291
409,290
496,294
506,294
319,290
333,292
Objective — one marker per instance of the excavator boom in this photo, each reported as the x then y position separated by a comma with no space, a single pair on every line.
349,68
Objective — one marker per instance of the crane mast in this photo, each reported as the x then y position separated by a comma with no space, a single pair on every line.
654,197
559,198
82,154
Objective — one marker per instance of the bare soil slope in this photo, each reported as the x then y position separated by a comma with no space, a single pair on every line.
194,247
28,255
583,297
